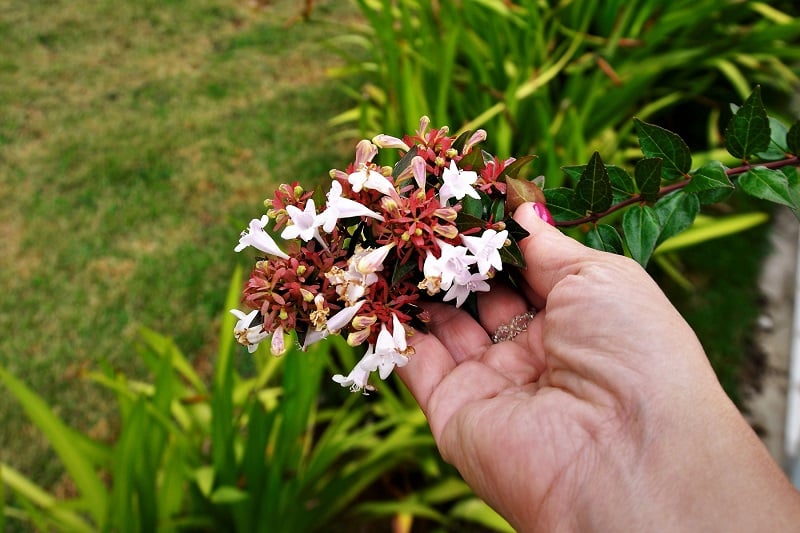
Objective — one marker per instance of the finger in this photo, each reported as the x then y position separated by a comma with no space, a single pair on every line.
500,305
550,256
454,337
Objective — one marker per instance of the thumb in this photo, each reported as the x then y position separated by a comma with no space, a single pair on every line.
550,255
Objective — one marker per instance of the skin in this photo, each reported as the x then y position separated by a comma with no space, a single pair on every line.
603,416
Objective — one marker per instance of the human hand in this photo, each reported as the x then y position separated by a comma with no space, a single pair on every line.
603,415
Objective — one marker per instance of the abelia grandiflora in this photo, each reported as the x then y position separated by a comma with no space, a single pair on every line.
435,226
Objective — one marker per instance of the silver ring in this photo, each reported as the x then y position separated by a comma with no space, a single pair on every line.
517,325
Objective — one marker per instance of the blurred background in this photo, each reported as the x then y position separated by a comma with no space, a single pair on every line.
137,139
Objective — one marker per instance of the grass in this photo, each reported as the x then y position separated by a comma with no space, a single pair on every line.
136,141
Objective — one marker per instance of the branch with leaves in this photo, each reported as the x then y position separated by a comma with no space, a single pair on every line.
664,194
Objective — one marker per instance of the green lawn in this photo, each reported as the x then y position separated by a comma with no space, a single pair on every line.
136,140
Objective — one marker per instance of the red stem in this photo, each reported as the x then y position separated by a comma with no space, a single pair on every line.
663,191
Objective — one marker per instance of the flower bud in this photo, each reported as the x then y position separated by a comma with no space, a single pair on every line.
386,171
278,345
446,213
446,230
363,322
477,137
357,338
298,192
439,161
387,141
451,153
308,296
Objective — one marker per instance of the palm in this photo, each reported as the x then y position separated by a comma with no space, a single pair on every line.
487,400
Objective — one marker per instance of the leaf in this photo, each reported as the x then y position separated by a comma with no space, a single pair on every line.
710,183
511,171
519,191
623,186
561,204
227,495
606,238
512,254
793,139
648,177
58,434
748,131
466,222
767,184
472,206
700,233
675,213
793,178
776,149
641,227
515,231
658,142
404,162
593,191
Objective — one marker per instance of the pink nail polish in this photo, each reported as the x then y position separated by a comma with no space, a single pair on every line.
542,212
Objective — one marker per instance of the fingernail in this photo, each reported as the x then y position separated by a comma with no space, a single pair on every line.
542,212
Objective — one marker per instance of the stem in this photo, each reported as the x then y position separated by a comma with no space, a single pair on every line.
663,191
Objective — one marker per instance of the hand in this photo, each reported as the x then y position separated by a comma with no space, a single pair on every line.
604,415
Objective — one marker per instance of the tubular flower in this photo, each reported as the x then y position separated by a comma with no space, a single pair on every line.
259,239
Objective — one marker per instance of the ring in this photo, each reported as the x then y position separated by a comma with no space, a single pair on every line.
517,325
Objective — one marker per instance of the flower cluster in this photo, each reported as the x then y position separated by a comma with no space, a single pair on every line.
436,225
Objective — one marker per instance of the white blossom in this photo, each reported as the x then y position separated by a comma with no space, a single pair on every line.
486,249
305,224
390,350
259,239
464,285
340,207
246,333
457,184
357,379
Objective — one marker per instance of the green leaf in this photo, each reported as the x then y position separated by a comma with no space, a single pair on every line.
227,495
593,191
767,184
793,139
512,254
472,206
604,237
659,142
793,178
776,149
641,228
675,213
701,232
648,177
710,183
404,162
561,203
623,186
748,131
58,434
465,221
477,511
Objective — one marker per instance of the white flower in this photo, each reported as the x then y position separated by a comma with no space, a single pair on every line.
357,379
259,239
457,184
340,207
245,332
305,224
333,325
390,350
464,285
370,179
452,263
486,249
